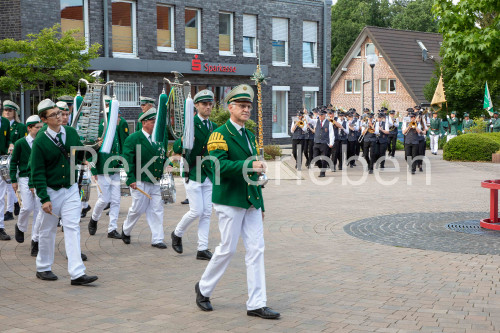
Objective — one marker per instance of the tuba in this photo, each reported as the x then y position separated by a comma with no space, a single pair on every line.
177,97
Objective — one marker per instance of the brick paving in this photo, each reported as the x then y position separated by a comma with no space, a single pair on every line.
319,277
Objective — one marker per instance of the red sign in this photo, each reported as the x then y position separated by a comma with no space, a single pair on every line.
196,63
209,68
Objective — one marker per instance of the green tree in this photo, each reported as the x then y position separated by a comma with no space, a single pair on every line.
471,38
50,62
414,15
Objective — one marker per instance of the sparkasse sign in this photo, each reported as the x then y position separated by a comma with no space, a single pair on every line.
196,65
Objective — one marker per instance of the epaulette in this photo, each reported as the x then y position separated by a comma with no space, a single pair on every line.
216,141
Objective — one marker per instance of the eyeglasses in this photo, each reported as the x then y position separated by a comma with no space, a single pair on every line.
244,106
55,114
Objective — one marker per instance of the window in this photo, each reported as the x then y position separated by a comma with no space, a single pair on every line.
127,93
357,86
309,42
225,33
124,28
280,41
392,86
348,86
369,49
358,54
192,30
165,28
249,35
280,112
309,97
382,86
74,15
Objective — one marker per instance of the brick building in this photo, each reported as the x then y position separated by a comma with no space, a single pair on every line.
144,40
406,62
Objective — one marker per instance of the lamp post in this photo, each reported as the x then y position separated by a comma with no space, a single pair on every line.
372,59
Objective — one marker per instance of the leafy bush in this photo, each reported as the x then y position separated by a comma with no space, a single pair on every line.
271,152
471,147
400,145
221,116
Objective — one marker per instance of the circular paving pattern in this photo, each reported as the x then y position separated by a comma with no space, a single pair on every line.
429,231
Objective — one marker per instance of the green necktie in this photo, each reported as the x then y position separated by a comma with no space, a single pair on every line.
59,137
206,124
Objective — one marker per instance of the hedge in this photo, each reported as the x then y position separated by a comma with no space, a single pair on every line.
472,147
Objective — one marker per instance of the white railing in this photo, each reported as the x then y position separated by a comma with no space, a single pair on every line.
128,93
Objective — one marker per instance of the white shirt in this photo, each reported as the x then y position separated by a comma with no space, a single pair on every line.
238,128
346,128
12,121
54,134
330,131
147,135
294,122
30,140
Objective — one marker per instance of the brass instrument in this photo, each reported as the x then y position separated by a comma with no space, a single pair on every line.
300,123
413,124
371,126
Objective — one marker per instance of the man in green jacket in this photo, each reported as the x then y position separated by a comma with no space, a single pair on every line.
197,174
144,166
18,130
19,163
237,199
146,104
5,148
467,123
55,185
452,125
495,123
434,135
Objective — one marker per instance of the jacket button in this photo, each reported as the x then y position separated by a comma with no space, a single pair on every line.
248,197
64,176
202,166
62,165
257,198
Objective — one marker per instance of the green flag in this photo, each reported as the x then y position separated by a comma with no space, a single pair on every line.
488,104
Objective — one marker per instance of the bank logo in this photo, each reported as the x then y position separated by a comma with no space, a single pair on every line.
196,63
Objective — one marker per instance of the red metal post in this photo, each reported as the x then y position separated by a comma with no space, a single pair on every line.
493,205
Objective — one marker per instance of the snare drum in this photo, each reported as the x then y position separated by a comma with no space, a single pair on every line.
5,167
124,189
167,188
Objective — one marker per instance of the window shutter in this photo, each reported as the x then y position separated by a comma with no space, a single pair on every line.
310,31
280,29
250,25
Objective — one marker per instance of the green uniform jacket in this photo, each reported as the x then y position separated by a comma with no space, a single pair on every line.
102,157
20,159
4,136
17,131
466,125
201,135
453,125
139,124
49,168
434,126
231,149
122,131
496,125
148,152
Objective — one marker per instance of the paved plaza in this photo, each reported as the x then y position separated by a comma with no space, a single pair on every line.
334,263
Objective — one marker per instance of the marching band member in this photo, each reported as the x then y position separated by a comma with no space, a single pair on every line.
198,178
411,131
393,135
309,142
351,138
139,147
146,104
108,181
357,144
467,123
341,131
58,193
298,129
452,125
69,100
383,137
239,206
421,139
18,130
324,138
435,125
19,161
5,147
369,142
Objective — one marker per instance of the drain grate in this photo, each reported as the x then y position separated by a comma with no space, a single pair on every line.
468,227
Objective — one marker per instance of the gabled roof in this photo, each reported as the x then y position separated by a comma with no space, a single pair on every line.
403,54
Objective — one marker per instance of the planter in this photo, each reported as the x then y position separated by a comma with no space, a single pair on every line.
495,158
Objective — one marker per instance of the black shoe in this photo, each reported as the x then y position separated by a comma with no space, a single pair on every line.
47,275
125,238
370,172
413,172
420,169
340,168
176,242
352,166
85,211
202,301
34,248
107,206
160,245
322,174
17,208
84,279
114,234
204,255
265,312
19,235
92,226
185,202
84,257
3,235
8,216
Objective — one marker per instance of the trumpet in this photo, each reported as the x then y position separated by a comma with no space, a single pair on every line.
300,123
413,124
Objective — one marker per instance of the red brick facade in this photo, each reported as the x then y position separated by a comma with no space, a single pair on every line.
399,101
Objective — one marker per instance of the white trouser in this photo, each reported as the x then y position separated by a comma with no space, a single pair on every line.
3,190
200,206
30,203
85,204
110,187
36,228
434,139
234,221
11,198
66,204
153,209
449,137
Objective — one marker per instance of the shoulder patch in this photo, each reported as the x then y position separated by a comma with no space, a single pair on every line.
216,141
126,130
